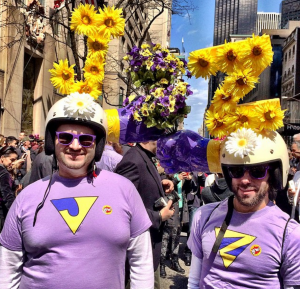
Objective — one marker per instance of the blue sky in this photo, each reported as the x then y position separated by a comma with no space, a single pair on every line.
197,32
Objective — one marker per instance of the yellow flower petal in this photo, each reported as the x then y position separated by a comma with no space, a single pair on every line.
62,76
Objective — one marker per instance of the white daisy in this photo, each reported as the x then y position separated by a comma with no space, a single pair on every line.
242,142
82,105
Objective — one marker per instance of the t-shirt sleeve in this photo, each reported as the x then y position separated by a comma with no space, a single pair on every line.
290,269
11,236
140,221
194,241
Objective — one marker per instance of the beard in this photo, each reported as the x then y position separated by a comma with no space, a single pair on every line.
251,201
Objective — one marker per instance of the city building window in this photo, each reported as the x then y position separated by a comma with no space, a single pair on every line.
293,68
285,56
293,49
289,53
289,72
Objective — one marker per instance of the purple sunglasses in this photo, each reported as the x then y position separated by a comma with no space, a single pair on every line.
66,138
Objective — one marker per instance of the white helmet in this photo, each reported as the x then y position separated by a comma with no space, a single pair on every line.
268,149
78,109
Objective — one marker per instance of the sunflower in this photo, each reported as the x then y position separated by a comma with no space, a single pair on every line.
91,88
228,57
84,20
224,100
97,46
216,122
270,116
111,22
257,53
94,70
240,83
242,117
202,63
62,76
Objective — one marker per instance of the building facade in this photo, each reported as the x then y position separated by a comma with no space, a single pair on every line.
290,10
267,20
30,46
142,22
234,17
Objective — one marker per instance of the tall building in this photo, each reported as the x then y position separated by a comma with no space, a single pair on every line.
234,17
267,20
290,10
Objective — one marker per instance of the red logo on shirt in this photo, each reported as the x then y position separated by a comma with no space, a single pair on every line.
255,250
107,209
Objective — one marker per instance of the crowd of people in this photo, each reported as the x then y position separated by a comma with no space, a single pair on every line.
78,211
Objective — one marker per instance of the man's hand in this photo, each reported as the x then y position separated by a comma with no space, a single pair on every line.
168,186
167,212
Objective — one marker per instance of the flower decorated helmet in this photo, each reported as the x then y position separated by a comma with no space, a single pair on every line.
78,109
245,147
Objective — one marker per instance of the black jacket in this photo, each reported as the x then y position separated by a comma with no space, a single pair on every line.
7,195
138,167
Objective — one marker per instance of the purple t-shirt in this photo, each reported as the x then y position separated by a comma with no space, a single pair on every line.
81,234
250,252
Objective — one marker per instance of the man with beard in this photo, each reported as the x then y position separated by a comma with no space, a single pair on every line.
246,241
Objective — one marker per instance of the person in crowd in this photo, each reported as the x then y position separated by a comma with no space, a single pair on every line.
74,228
138,165
2,141
246,241
173,227
22,134
110,157
192,188
11,141
295,150
34,146
41,167
8,156
217,192
24,153
296,137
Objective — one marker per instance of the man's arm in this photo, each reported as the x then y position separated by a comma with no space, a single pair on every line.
140,258
195,273
11,264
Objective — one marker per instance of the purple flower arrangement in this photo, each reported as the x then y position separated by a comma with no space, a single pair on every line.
160,74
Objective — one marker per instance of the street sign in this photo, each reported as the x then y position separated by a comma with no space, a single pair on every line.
291,128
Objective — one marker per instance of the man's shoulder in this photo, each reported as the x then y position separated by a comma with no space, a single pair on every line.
114,178
205,211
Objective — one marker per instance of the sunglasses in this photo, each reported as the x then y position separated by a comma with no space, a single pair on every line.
255,172
66,138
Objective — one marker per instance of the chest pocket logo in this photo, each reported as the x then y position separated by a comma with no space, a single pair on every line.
232,245
74,210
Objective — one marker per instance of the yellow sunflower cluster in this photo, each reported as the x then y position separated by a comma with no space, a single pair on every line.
99,28
242,62
260,116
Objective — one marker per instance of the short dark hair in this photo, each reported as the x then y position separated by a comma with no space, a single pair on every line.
7,150
10,139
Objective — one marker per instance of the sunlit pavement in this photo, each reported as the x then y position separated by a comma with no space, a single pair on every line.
176,280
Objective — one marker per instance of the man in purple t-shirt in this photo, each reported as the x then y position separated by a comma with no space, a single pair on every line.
246,241
75,228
